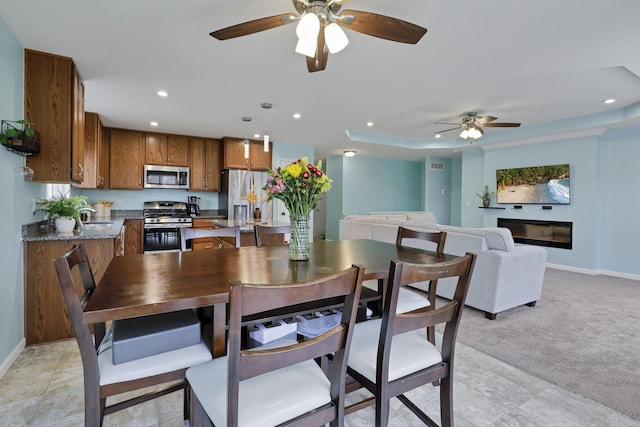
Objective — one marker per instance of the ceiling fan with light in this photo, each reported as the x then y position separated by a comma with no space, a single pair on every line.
472,125
319,28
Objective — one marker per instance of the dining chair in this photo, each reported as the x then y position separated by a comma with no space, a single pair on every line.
418,295
392,355
261,231
103,378
187,234
278,384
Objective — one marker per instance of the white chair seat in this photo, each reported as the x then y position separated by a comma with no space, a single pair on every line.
410,352
148,366
407,299
266,400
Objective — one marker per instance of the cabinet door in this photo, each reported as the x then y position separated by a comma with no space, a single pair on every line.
92,140
213,163
48,104
234,154
177,150
77,128
155,149
197,168
126,148
103,156
260,159
133,236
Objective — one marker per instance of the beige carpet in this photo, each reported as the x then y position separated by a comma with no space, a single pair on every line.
583,335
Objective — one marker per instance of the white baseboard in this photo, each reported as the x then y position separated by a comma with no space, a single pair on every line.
593,272
12,357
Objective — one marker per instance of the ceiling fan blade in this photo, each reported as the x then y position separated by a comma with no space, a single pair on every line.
319,62
483,120
384,27
501,125
447,130
254,26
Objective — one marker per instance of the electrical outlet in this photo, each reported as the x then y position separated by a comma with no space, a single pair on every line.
34,205
117,202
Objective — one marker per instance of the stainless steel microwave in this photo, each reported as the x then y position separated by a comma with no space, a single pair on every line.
174,177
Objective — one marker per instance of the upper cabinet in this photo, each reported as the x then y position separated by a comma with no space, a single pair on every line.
205,164
237,156
162,149
96,153
54,102
126,159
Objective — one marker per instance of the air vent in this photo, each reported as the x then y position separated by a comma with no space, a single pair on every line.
438,166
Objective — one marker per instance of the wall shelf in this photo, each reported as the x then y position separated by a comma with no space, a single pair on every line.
490,207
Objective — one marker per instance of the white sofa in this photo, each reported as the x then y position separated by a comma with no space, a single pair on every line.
506,275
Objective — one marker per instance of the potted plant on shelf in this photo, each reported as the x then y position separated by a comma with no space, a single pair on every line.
20,137
486,196
65,211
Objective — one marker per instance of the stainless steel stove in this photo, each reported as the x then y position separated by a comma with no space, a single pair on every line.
162,223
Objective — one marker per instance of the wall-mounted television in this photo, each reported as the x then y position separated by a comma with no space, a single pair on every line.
546,185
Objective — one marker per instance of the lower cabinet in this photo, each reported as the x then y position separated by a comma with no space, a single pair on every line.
133,236
45,313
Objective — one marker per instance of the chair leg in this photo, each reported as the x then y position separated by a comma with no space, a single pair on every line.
197,414
446,402
382,410
490,316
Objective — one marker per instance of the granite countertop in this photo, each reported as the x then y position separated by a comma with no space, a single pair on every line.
100,228
212,213
246,226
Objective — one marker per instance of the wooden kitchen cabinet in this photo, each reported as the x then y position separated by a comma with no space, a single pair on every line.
133,236
45,315
234,154
54,103
205,164
126,159
94,154
163,149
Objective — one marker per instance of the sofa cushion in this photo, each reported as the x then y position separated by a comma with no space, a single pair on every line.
499,238
415,225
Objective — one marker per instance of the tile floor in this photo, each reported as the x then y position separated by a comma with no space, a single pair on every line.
44,388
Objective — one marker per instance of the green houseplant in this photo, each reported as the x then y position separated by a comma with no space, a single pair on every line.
486,196
65,211
20,136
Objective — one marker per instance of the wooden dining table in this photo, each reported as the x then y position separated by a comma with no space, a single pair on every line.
139,285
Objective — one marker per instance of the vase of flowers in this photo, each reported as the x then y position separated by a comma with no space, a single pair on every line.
299,186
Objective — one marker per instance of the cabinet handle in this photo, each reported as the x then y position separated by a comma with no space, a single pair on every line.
81,169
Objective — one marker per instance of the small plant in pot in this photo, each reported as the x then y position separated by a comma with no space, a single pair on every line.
486,196
65,211
19,136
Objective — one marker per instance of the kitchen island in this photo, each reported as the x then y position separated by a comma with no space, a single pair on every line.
45,315
247,233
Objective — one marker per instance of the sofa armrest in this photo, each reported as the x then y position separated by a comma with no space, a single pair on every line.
355,230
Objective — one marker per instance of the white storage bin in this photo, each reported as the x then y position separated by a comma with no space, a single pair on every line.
266,333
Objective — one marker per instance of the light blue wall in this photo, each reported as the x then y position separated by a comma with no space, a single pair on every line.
456,191
17,196
438,189
133,199
371,184
582,156
473,181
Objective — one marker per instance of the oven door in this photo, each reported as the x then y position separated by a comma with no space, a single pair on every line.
161,239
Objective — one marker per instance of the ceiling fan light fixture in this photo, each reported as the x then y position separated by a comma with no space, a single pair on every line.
307,47
335,38
308,27
349,153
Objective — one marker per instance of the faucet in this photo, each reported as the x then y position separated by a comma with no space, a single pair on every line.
85,209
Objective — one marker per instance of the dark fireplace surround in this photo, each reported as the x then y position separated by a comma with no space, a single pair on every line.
553,234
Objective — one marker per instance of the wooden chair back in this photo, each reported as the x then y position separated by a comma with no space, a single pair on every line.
437,237
73,265
251,299
187,234
261,230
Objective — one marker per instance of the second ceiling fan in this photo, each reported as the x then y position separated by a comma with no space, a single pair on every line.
472,125
320,26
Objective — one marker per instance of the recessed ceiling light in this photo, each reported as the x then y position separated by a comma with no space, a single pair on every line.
256,135
369,124
154,123
609,101
162,93
296,115
437,135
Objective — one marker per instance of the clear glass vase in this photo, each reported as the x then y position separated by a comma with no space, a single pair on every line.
299,243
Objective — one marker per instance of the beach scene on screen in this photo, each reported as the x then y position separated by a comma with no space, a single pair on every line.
534,185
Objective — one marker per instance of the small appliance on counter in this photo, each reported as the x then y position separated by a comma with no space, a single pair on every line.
193,205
